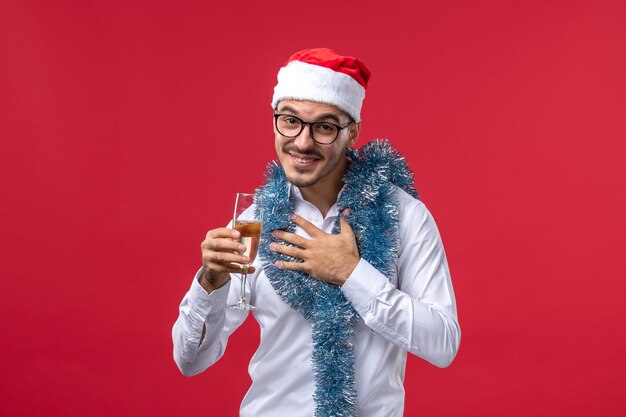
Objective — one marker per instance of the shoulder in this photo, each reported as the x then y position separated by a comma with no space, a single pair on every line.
407,204
413,216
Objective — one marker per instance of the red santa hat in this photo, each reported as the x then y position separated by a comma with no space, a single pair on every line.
324,76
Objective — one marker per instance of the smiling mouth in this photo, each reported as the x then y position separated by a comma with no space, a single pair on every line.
303,160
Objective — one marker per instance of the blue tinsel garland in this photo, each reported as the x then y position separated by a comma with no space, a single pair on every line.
368,193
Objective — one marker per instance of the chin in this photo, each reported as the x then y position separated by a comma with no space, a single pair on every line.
301,181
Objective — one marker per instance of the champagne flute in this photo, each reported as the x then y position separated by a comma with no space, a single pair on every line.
250,235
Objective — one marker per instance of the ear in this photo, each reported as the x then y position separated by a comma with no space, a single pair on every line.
355,128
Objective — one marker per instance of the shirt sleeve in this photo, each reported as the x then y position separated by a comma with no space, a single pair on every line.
201,310
419,312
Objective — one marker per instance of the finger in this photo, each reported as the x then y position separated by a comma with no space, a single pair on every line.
293,266
287,250
223,232
230,268
344,226
224,257
237,268
291,238
233,268
307,226
223,245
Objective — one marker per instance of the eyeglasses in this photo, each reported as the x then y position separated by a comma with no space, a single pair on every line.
323,133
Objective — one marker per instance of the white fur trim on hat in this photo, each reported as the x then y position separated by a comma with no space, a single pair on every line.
301,81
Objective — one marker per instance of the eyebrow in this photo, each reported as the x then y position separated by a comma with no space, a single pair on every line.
318,118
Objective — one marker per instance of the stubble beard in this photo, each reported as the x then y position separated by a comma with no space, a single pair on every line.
298,176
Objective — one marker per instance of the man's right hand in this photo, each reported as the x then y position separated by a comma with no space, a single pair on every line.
220,249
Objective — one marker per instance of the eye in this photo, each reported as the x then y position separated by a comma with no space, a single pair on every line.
289,120
325,128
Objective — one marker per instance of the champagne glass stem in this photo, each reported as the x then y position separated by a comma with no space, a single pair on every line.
244,275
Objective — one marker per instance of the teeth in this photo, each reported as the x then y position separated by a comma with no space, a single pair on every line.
303,161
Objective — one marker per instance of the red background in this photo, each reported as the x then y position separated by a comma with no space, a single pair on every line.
127,126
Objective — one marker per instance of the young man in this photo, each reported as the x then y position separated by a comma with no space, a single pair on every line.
351,272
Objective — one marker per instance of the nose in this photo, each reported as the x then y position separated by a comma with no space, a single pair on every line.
304,139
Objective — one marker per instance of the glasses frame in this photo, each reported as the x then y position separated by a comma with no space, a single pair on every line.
303,124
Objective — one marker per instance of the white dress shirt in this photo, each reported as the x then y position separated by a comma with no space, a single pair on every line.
413,310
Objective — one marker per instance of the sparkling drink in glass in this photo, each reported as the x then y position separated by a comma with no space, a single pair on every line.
249,227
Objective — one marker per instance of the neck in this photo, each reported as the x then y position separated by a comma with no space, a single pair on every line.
323,194
323,199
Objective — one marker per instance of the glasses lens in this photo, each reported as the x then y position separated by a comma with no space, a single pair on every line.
288,125
324,132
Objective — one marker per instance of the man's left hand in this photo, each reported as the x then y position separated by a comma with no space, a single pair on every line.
325,256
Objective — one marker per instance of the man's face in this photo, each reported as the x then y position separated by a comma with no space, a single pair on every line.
306,162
